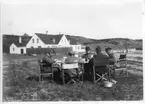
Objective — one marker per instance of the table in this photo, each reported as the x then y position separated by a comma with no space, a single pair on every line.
59,63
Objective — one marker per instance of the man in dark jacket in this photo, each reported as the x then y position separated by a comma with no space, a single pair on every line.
48,61
87,66
102,58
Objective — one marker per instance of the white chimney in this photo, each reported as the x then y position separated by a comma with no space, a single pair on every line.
20,39
46,32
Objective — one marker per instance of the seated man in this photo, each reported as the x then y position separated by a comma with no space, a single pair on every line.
71,59
112,57
112,60
88,55
100,56
47,60
87,67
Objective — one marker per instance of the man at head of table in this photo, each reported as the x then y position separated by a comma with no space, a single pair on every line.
47,59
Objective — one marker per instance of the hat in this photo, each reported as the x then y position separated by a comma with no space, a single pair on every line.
88,48
107,49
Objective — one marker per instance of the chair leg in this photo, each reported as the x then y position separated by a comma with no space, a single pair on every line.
109,74
94,77
63,77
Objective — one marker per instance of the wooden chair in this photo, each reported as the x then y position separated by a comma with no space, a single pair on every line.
122,66
65,66
43,70
97,66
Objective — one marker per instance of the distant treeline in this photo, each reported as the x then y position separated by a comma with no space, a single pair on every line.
30,51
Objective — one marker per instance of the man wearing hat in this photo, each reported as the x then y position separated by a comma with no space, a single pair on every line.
88,55
87,66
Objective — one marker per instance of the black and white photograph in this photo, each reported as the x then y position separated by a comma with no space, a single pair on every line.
72,50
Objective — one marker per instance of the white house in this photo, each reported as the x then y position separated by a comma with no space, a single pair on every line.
17,49
19,45
52,41
38,40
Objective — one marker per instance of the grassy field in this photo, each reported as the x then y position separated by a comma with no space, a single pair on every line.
16,86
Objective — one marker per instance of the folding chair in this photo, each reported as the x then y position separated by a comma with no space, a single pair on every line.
43,70
122,66
72,66
97,66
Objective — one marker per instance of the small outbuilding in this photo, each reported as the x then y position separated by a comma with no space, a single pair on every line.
18,48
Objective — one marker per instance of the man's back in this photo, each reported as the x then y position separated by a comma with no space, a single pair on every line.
100,58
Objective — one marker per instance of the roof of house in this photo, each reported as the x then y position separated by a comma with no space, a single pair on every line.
20,44
71,39
48,39
9,39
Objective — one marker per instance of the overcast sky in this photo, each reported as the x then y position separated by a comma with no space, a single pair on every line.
94,19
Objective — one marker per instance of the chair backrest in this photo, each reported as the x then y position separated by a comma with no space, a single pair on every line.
122,56
69,66
101,62
41,63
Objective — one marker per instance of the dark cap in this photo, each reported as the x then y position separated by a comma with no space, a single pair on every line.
88,48
98,49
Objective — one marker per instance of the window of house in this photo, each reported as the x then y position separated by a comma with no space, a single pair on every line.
37,40
39,46
13,49
31,46
33,40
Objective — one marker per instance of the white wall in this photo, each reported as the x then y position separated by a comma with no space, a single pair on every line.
77,48
14,49
17,50
52,46
63,42
35,44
